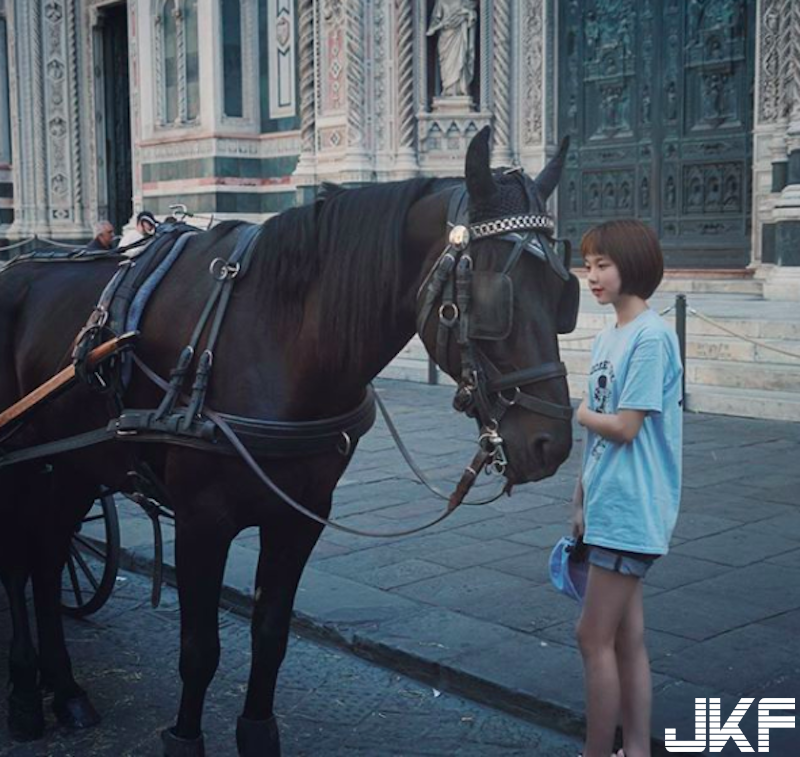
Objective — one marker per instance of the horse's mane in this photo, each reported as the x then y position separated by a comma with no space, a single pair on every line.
350,240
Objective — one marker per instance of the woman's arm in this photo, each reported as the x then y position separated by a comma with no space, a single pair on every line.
621,427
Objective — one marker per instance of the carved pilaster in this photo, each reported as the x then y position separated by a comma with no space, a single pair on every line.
532,79
501,81
356,74
305,174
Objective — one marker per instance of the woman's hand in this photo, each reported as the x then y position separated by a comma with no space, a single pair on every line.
583,411
578,524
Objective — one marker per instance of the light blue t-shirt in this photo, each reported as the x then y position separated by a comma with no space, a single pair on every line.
632,491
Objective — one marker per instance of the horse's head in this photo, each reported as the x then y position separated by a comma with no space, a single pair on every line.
491,310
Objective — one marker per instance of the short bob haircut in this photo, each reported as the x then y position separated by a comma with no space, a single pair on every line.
634,248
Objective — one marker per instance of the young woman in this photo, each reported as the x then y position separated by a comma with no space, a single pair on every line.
627,497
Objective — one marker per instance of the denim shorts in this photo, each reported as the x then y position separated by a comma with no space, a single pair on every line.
625,563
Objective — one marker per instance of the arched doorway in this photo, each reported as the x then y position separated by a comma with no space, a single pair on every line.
658,98
116,107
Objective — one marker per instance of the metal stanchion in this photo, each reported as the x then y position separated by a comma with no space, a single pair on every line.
433,372
680,327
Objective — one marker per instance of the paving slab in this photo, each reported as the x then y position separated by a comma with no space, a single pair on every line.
468,606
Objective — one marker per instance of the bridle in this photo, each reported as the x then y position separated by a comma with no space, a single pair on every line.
483,391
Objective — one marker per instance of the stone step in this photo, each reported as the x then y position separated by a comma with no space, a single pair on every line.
707,347
751,287
722,400
754,327
766,376
746,403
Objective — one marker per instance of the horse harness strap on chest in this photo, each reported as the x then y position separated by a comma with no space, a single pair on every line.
191,424
478,306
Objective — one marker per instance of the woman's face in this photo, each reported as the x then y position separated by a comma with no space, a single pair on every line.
604,279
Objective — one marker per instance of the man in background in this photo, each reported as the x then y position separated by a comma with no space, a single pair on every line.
103,236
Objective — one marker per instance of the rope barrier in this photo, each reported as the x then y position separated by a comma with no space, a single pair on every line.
757,342
563,339
18,244
60,244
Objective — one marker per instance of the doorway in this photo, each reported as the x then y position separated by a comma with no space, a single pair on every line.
116,100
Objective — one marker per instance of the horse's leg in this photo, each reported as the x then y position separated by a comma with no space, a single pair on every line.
201,549
25,716
285,548
65,505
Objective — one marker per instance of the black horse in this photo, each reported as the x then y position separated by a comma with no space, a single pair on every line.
331,294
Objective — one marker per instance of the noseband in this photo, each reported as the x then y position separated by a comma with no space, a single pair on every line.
484,392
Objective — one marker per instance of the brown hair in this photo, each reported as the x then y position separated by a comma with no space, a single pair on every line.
634,248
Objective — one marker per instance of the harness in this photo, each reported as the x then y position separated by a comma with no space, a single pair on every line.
477,306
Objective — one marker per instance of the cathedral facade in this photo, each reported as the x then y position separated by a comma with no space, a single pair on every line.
685,113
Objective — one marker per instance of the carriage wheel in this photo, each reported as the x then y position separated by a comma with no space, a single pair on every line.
91,569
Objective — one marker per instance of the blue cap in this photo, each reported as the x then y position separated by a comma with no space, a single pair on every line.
567,575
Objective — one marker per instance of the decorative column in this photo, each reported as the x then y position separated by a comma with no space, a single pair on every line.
406,164
305,175
45,93
534,29
6,179
776,164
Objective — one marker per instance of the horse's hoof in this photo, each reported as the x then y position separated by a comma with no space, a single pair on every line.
258,738
25,716
175,746
76,712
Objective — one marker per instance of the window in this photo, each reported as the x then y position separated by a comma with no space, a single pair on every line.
232,57
177,62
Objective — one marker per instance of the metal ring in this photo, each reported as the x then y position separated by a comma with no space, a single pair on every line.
217,269
503,400
448,321
348,445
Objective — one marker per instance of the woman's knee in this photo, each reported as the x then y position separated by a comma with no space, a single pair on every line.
592,640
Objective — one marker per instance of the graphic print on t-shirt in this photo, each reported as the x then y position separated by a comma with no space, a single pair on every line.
601,379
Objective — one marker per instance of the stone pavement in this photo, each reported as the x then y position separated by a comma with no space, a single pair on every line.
329,703
467,606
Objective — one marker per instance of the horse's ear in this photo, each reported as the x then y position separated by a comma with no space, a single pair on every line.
548,177
480,183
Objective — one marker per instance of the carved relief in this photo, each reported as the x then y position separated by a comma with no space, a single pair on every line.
533,70
608,193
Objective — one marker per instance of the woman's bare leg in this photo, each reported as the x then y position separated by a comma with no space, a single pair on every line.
607,597
634,676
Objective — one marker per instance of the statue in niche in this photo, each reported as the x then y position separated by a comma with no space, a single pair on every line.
625,195
572,113
624,109
592,31
713,193
645,194
713,96
670,193
731,197
625,38
609,197
695,194
646,105
594,197
454,21
573,199
696,11
672,101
